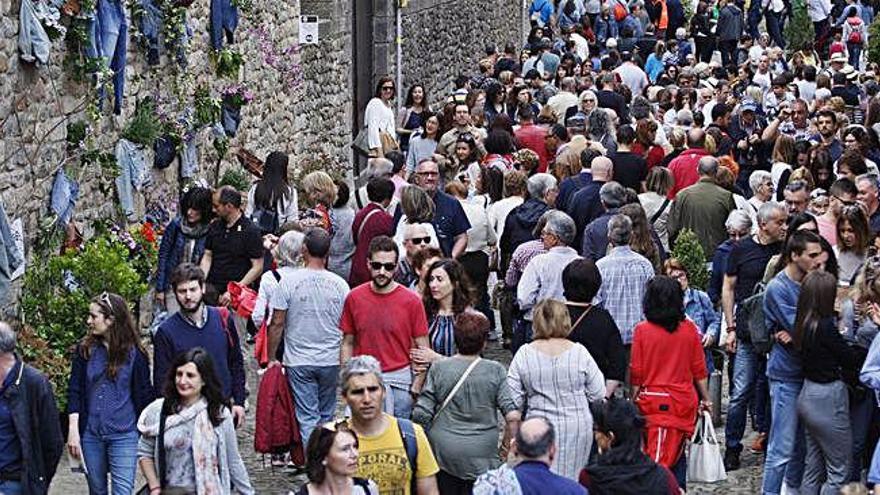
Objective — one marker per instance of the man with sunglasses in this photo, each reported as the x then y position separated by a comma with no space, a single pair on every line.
415,238
385,320
842,193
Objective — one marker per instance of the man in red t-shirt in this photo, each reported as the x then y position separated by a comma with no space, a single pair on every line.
385,320
684,166
370,222
531,136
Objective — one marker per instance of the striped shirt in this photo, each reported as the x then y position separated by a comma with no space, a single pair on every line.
625,274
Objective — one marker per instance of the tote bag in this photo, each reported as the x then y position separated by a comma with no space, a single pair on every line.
705,464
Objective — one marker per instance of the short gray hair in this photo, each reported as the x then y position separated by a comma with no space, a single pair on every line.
7,338
539,184
768,209
288,252
562,226
620,229
739,221
708,165
757,178
378,167
612,194
870,178
357,366
535,446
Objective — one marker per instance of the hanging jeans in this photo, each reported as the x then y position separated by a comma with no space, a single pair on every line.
224,20
151,28
108,35
189,157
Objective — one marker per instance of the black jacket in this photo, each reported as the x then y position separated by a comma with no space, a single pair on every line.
38,426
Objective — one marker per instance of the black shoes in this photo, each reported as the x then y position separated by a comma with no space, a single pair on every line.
731,460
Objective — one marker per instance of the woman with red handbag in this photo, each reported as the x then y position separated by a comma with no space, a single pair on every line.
667,363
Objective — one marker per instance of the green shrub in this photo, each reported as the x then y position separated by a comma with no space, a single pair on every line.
799,30
237,178
689,252
55,300
874,41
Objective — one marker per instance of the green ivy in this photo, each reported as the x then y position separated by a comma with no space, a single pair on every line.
56,294
874,41
799,30
227,62
236,178
207,108
688,250
144,126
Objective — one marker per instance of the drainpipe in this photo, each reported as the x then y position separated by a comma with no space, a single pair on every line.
401,4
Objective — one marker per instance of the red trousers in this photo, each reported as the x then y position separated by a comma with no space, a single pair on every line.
664,445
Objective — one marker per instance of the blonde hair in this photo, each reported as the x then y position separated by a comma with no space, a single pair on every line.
416,205
322,183
551,320
802,174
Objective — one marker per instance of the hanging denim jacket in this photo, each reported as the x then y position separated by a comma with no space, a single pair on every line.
133,174
10,256
33,42
189,157
65,192
108,35
151,27
224,20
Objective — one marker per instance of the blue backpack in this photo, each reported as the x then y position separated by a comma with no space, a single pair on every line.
411,445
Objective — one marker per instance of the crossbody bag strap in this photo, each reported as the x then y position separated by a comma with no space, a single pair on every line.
361,226
161,439
458,385
580,318
660,211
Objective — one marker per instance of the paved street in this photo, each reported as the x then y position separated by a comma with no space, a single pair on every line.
267,480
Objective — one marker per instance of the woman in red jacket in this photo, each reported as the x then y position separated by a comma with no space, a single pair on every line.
667,362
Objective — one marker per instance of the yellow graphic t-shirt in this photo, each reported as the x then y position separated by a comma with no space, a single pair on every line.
383,459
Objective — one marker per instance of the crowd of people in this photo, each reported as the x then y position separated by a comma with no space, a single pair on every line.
536,209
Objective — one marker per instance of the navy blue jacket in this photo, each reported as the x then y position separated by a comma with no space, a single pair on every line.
142,392
38,426
171,252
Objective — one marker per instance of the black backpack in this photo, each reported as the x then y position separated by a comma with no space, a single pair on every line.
750,323
266,220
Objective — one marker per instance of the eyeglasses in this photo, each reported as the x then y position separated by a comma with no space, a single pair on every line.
428,173
845,202
420,240
105,298
388,267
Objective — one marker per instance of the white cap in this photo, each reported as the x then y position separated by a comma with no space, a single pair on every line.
611,43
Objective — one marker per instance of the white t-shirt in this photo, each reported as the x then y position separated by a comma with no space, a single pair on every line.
313,300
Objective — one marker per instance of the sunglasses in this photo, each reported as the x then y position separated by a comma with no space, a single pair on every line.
105,298
387,88
420,240
388,267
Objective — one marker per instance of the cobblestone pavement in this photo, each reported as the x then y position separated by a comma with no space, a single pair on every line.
267,480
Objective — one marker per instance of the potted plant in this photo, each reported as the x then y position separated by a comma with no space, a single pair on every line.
233,98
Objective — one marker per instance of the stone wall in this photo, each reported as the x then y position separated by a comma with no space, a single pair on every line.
452,35
37,102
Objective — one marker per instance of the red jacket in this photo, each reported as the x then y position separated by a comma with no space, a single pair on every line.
276,430
665,366
684,169
531,136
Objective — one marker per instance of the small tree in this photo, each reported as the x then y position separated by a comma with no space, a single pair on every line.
799,31
689,252
874,41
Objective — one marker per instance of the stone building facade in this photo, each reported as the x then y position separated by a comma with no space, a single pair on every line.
309,99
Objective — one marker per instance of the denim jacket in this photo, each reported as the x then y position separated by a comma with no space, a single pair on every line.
133,174
65,192
171,252
33,42
224,20
700,310
605,28
10,256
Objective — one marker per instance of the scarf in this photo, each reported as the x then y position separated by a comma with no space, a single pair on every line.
194,231
204,443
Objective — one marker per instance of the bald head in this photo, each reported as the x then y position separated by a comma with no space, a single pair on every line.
708,166
7,338
536,440
602,168
696,138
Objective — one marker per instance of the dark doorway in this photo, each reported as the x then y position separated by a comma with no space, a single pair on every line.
362,70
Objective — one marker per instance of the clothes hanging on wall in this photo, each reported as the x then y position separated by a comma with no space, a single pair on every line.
108,39
224,20
33,42
10,255
133,175
65,193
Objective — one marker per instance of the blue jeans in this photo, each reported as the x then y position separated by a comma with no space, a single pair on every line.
108,38
861,412
761,404
855,53
774,28
787,445
10,488
754,18
115,452
314,394
744,377
522,334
